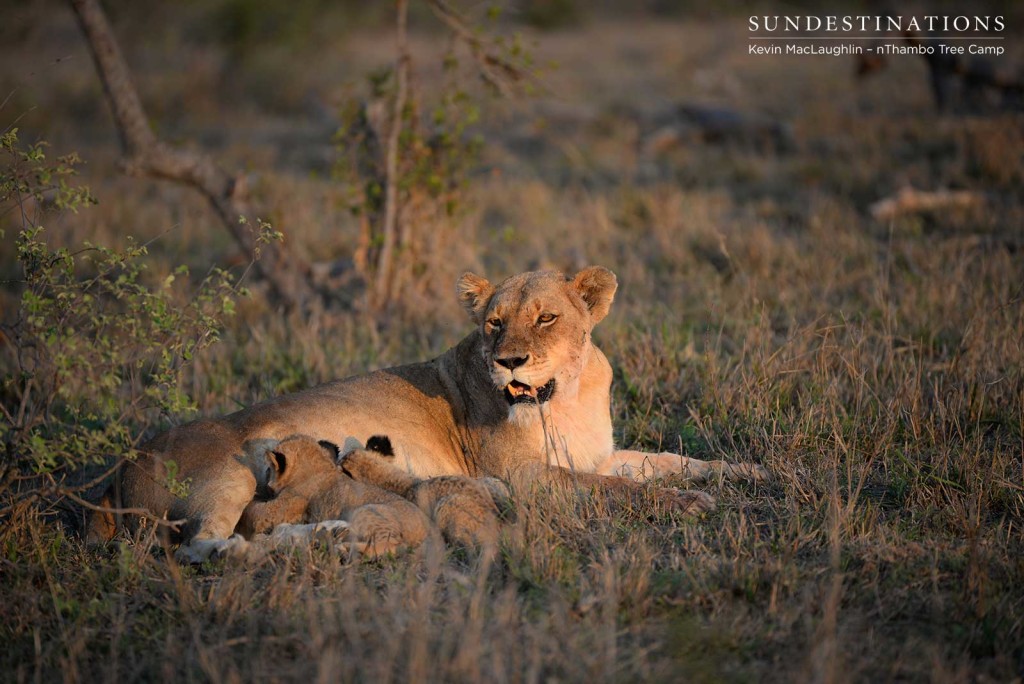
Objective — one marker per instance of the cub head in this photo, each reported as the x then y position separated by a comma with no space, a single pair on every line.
366,464
536,328
293,459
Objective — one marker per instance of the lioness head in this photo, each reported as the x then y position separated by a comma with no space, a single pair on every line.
536,328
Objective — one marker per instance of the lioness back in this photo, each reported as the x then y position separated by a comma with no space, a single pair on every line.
412,401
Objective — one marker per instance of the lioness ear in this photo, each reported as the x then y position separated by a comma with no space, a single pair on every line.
474,293
596,285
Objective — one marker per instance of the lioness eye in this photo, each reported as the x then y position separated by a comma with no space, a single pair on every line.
494,322
546,318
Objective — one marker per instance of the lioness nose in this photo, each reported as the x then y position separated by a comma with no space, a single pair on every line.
512,362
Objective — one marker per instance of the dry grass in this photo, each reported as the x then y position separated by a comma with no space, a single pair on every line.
877,370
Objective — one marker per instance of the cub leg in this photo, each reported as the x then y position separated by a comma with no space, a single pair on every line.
373,530
386,528
466,520
289,534
279,522
261,517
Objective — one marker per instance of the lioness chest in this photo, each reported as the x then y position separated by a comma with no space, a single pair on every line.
578,437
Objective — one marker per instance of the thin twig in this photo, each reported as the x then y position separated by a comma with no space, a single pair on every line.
495,70
141,512
96,480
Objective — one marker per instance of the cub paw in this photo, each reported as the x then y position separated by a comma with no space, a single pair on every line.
331,531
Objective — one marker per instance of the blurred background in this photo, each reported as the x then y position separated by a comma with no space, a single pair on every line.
642,136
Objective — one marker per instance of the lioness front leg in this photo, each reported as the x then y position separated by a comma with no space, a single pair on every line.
641,466
686,501
217,507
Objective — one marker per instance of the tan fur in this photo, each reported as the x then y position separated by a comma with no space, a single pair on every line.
448,416
308,487
465,509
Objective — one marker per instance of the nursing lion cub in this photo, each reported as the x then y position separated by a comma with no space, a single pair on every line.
305,487
524,397
467,510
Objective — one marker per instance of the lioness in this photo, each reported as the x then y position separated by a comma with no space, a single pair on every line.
524,396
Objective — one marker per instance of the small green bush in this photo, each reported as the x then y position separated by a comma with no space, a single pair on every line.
94,351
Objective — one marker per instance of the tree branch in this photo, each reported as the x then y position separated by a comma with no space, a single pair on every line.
145,155
497,71
141,512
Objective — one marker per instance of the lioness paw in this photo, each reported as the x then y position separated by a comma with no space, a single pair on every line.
198,551
750,472
189,555
695,469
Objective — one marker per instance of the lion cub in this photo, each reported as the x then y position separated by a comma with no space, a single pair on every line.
308,487
466,510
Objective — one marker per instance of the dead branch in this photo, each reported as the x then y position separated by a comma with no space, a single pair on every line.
146,155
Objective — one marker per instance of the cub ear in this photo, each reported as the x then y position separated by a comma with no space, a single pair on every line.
596,285
277,463
332,449
381,444
474,293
